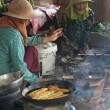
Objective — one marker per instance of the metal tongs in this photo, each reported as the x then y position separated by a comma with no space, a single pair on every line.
68,41
94,54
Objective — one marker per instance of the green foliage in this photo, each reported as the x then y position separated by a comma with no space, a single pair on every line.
99,27
3,6
31,2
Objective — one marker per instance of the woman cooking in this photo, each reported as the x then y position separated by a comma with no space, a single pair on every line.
77,21
13,38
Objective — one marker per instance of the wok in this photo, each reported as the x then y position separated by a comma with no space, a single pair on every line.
98,52
7,102
98,40
99,55
51,102
10,82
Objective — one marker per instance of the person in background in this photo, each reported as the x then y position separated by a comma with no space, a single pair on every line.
31,54
76,22
13,38
49,26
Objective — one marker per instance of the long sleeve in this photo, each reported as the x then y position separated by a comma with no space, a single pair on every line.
88,26
89,22
34,40
17,58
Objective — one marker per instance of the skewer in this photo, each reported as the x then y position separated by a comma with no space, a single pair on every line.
68,41
94,54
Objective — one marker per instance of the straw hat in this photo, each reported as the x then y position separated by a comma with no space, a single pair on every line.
43,2
22,9
77,1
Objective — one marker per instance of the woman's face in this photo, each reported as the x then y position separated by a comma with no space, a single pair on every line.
81,6
27,22
64,17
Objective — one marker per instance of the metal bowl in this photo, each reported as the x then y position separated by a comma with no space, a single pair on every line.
10,82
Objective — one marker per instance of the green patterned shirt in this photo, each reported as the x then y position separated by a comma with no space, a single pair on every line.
12,52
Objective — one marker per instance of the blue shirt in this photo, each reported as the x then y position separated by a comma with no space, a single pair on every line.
12,52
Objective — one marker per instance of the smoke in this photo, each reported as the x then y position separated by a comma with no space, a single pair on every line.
97,60
83,94
93,72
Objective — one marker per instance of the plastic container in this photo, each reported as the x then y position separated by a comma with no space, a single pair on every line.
47,56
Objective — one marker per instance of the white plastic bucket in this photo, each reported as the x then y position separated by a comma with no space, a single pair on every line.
47,58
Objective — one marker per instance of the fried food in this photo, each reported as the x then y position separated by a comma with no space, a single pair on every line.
64,90
51,92
55,95
62,95
43,95
37,92
55,88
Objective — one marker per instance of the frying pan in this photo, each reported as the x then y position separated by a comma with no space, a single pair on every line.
98,40
51,102
101,55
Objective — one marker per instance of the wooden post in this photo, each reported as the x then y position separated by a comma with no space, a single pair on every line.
101,9
106,13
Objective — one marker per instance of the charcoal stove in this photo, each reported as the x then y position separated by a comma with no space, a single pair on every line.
19,105
13,102
92,80
30,106
10,90
63,103
92,77
7,102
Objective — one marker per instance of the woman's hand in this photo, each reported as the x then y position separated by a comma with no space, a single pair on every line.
23,86
41,79
86,47
56,34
